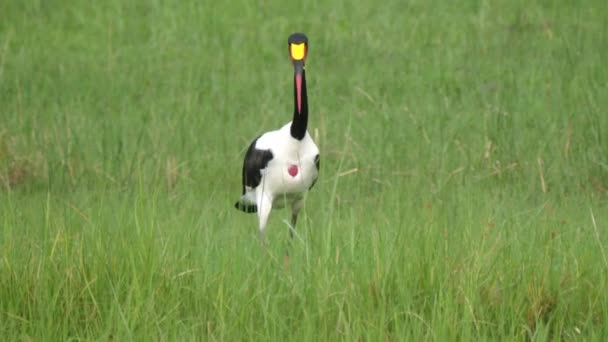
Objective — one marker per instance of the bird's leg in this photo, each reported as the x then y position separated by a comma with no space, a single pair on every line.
264,206
294,220
295,209
296,206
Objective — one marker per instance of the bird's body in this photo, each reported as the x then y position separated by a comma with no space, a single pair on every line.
280,166
287,168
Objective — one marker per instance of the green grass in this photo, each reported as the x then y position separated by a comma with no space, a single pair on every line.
463,191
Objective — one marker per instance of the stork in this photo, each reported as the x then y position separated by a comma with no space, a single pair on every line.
282,165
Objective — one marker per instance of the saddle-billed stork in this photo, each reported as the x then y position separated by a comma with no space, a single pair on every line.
281,166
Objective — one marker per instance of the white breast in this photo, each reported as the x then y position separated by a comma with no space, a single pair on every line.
288,151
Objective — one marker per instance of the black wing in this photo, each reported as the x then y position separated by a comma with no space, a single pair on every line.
317,164
255,161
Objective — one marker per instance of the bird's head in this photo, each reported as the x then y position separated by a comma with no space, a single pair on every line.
298,48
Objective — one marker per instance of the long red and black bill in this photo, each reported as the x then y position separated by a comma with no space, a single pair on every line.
298,48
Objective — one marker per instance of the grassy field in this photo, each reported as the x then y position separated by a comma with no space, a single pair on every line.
463,193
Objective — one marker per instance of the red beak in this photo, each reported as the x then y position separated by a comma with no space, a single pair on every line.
299,68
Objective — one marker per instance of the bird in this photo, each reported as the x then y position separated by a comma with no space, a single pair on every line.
282,165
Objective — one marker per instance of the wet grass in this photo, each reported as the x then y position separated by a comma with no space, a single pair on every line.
463,190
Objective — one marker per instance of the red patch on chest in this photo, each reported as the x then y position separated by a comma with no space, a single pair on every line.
293,170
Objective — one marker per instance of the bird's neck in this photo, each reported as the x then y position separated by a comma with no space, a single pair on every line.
300,112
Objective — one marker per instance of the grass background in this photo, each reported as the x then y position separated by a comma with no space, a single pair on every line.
463,190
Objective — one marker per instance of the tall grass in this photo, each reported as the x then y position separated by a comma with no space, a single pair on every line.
463,190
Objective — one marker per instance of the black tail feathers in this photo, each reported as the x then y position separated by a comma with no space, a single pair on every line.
248,208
